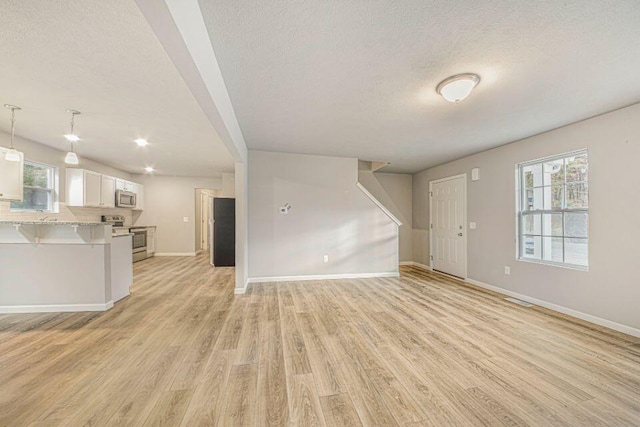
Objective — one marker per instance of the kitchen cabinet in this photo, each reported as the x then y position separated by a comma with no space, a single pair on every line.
125,185
11,177
139,190
108,192
89,189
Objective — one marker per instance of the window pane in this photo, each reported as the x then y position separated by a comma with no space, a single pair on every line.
553,172
576,251
552,248
531,247
577,196
533,199
531,224
577,168
36,175
533,175
576,224
552,224
35,199
553,197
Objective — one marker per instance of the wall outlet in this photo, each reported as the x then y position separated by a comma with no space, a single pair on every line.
507,270
472,225
326,258
185,219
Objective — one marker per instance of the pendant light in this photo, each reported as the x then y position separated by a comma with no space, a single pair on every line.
72,158
12,154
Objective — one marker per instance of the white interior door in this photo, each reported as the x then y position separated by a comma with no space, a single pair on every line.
448,232
204,221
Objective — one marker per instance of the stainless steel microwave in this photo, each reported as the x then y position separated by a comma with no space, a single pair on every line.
125,199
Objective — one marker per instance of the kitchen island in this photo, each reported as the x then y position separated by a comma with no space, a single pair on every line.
54,266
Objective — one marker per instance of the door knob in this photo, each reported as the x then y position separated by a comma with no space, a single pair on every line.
460,234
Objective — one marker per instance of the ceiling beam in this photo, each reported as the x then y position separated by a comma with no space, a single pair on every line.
180,27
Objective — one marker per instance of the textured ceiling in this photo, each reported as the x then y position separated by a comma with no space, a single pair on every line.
357,78
101,57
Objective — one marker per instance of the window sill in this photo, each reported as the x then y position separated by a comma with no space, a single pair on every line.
555,264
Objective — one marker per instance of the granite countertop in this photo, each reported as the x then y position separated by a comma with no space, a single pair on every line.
121,235
50,222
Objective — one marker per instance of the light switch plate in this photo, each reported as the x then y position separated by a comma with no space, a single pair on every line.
472,225
185,219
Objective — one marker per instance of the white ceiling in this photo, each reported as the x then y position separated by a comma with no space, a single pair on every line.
102,58
357,78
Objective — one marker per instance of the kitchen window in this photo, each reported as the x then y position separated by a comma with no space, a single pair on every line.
553,210
39,188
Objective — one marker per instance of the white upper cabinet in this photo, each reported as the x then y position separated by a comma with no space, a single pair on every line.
124,185
89,189
139,190
92,188
11,178
108,192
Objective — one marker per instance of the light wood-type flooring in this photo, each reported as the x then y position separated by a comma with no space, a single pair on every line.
420,350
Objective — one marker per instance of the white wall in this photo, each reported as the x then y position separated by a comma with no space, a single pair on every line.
41,153
399,187
167,200
241,192
611,288
329,215
228,185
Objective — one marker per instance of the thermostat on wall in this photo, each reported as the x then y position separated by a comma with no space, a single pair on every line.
475,174
285,209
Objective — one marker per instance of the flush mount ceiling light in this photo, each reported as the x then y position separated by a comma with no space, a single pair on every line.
72,158
149,169
141,142
12,155
458,87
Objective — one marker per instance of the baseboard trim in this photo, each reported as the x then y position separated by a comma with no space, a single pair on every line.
416,264
55,308
175,254
321,277
560,309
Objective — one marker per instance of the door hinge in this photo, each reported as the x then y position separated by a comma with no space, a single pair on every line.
431,257
431,193
431,226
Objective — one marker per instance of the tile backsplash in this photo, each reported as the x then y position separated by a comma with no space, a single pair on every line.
67,213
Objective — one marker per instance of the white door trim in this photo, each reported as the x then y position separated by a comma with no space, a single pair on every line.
464,214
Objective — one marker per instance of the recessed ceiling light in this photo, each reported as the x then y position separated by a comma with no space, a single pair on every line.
141,142
458,87
149,169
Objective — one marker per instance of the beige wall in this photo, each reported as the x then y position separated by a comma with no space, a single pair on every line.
611,288
399,188
167,201
329,216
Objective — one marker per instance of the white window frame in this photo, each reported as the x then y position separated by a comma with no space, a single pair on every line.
53,189
521,212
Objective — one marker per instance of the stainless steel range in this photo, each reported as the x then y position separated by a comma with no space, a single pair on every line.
139,243
139,240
